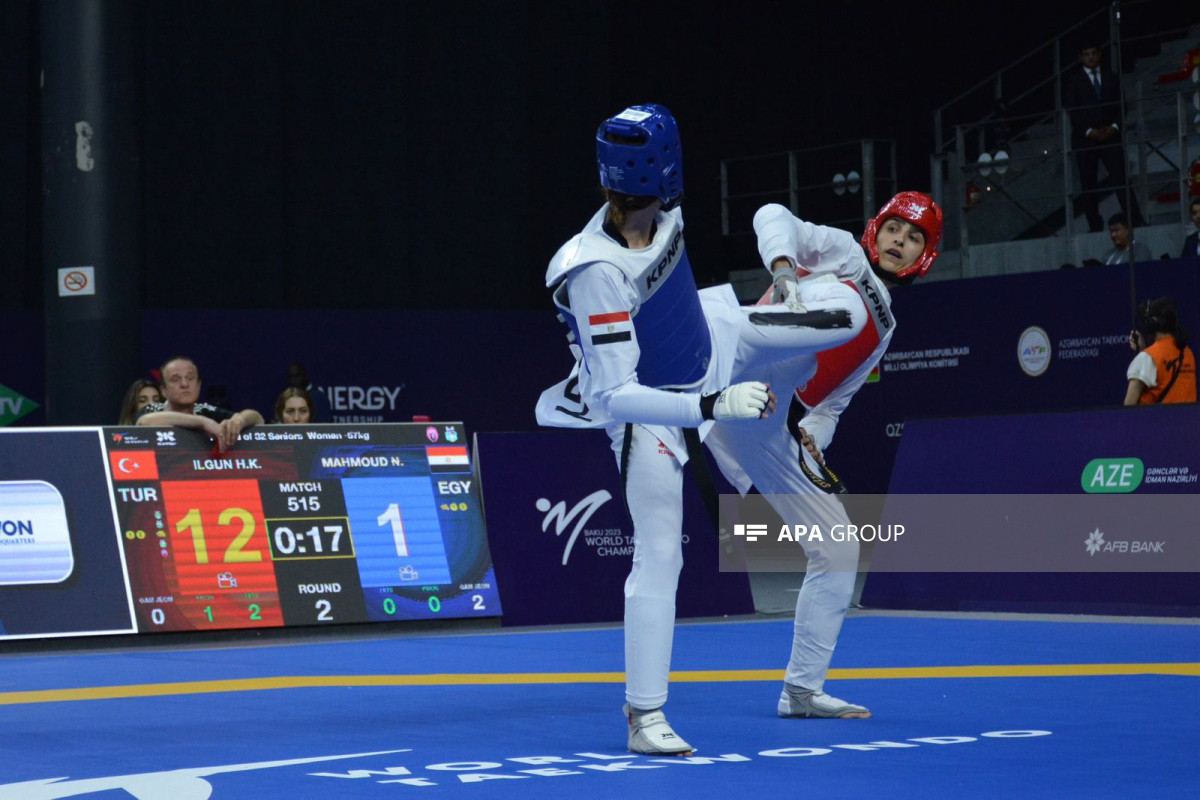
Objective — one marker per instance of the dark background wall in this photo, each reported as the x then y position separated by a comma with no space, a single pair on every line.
434,154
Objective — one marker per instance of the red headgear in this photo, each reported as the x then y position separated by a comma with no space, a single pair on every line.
920,210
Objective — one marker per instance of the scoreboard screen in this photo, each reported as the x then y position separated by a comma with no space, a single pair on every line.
295,525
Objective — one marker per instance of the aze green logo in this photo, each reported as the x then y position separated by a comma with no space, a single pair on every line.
1112,475
13,406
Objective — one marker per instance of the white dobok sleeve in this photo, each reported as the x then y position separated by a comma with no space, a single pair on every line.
813,248
600,294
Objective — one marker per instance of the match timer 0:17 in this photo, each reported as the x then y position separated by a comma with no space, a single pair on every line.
312,546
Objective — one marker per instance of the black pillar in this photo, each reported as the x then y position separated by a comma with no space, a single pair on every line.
91,205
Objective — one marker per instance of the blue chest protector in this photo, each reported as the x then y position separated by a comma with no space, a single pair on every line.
671,330
672,333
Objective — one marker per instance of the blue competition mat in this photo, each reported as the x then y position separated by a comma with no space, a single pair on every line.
963,708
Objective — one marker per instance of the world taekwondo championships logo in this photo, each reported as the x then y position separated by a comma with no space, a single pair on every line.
605,540
1033,351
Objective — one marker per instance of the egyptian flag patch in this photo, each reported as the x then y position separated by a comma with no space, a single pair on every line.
609,328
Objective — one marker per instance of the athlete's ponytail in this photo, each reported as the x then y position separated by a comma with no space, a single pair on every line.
619,205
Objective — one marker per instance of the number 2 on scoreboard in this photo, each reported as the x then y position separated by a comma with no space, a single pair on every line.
392,515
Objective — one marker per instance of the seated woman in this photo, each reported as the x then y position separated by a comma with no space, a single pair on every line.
294,406
141,393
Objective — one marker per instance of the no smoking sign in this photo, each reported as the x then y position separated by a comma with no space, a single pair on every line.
76,281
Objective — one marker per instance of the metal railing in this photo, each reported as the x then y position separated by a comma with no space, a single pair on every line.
1031,190
1017,115
839,184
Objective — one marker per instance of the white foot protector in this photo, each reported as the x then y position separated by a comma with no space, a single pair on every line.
796,702
651,735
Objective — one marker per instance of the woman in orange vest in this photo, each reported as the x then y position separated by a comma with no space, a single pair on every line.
1164,372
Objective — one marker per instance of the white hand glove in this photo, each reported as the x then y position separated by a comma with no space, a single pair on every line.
745,400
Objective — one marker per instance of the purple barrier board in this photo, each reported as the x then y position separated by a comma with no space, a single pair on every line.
1008,344
561,540
1144,450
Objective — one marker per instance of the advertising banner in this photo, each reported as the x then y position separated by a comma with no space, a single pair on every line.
1010,344
561,540
485,368
22,369
61,570
1125,480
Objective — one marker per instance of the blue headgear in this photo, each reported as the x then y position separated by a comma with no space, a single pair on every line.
648,161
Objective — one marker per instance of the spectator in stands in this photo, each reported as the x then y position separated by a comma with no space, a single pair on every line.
141,393
294,406
181,385
1125,249
1092,98
297,376
1191,245
1164,372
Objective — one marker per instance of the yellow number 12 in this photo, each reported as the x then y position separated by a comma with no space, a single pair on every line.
234,553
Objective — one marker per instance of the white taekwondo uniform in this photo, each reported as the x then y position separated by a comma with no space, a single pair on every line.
767,457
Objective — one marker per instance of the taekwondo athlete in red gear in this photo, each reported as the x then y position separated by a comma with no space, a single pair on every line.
655,356
899,245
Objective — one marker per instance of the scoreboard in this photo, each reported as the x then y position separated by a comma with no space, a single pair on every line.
295,525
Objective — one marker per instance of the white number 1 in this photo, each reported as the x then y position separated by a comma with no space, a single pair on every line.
392,515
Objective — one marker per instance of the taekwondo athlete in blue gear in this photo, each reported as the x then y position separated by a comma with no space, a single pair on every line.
655,356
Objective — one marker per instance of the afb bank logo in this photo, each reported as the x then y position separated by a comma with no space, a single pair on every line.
1096,543
1033,351
606,541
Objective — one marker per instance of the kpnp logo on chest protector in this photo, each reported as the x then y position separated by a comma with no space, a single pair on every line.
883,316
837,364
667,262
671,330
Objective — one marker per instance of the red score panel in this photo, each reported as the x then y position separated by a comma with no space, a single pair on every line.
222,555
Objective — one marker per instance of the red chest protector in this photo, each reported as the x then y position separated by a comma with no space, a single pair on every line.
837,364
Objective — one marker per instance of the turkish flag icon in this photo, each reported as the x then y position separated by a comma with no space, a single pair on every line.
134,465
